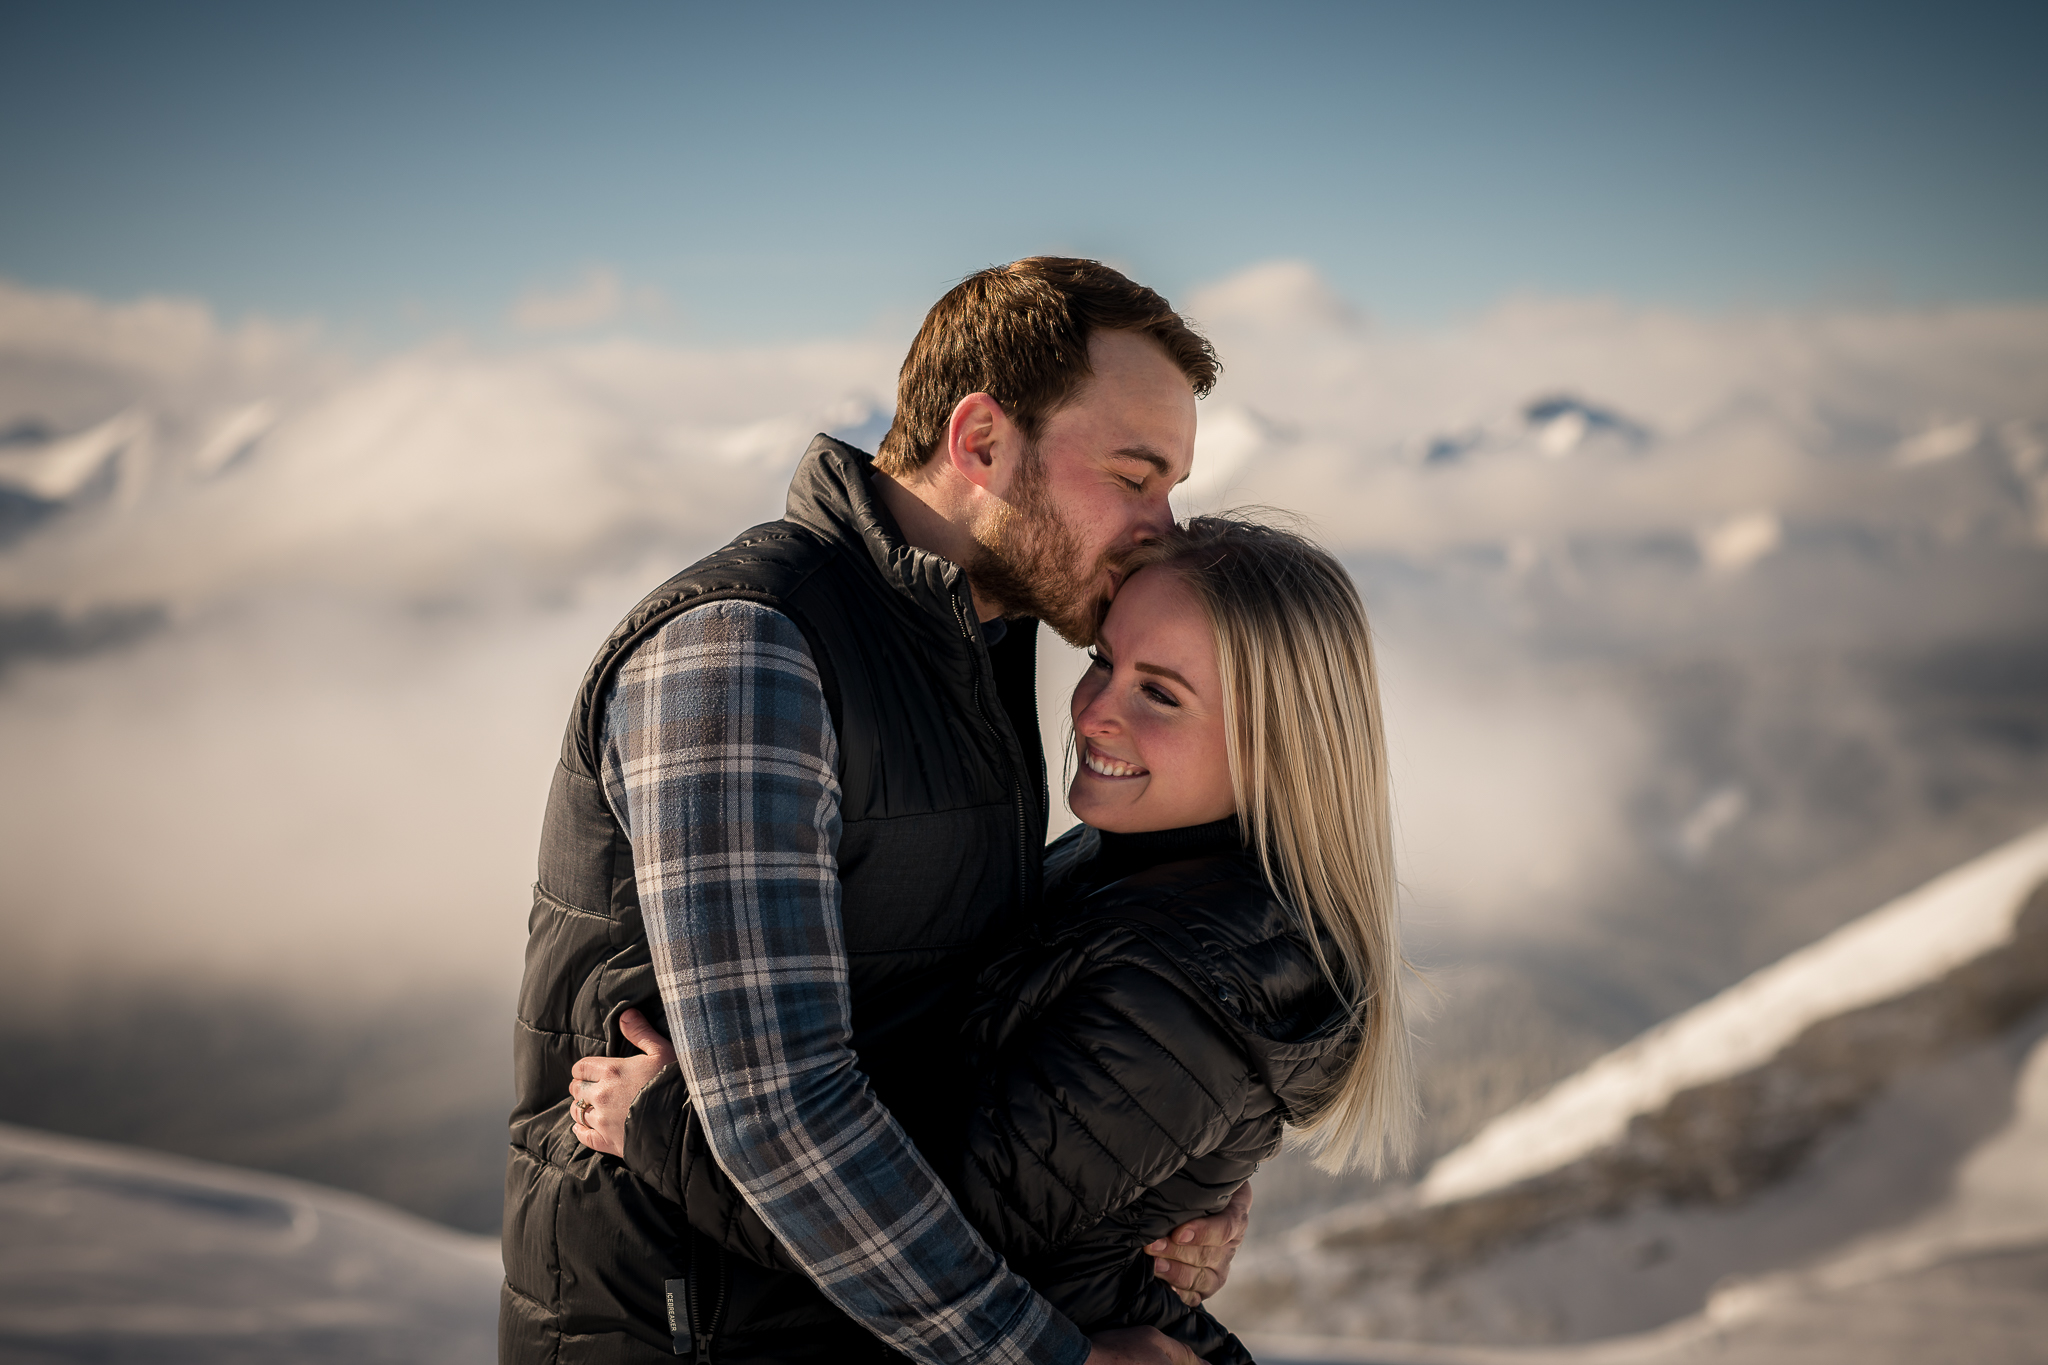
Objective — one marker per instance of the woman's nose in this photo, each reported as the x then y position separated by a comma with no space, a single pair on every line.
1098,717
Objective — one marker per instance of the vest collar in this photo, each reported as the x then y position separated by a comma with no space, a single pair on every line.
831,493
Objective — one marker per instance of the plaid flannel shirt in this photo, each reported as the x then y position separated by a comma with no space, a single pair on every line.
721,762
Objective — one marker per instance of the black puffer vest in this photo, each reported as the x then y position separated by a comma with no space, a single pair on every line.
943,815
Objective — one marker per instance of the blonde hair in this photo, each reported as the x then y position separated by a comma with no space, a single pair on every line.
1308,765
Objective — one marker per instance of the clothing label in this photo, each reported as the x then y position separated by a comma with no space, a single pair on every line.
677,1292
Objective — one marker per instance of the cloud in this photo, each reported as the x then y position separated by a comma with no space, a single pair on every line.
436,474
353,595
1284,295
1733,545
330,581
599,296
1660,593
1941,441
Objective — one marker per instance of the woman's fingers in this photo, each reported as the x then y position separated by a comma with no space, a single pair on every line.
595,1076
594,1137
602,1089
643,1035
1195,1257
587,1080
1199,1280
596,1123
600,1097
587,1091
1225,1228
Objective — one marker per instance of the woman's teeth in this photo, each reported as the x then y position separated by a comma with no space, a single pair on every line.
1109,767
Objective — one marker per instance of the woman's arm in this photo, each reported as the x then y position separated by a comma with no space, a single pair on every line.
1109,1089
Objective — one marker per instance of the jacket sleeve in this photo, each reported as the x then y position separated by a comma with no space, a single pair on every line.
1110,1087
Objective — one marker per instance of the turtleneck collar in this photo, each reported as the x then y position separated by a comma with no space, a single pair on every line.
1117,856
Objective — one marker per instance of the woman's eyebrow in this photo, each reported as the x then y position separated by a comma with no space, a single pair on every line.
1164,673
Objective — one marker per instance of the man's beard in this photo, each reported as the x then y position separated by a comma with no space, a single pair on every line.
1029,562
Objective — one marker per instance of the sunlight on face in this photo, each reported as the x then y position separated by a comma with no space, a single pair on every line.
1148,714
1109,461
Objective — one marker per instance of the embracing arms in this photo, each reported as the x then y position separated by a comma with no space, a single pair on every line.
1110,1105
719,758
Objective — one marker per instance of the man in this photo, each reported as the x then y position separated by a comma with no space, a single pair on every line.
800,799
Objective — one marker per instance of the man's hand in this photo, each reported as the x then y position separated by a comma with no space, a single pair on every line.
604,1087
1195,1257
1138,1346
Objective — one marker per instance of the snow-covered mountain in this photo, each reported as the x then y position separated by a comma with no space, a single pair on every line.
1872,1107
118,1255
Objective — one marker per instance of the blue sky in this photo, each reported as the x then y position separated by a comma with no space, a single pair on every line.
788,170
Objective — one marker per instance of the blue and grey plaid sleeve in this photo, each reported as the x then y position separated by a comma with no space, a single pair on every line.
720,760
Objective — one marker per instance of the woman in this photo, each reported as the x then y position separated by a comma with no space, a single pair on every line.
1222,956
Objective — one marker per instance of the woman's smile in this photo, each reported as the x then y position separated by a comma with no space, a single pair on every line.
1102,765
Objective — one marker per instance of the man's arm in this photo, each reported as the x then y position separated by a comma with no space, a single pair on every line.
719,759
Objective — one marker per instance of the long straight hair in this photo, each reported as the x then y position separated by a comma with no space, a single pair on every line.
1308,765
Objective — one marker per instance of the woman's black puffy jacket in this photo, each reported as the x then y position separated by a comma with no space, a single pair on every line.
1136,1059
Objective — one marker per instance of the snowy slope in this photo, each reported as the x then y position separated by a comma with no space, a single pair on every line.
1834,1120
1967,1280
1910,943
112,1254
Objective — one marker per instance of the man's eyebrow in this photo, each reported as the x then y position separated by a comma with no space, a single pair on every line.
1164,673
1148,456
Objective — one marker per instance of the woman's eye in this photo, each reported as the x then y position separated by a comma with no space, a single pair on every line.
1096,660
1161,695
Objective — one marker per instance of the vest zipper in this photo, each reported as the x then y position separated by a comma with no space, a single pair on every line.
973,638
717,1312
702,1326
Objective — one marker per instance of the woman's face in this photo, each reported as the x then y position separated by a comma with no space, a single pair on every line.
1148,714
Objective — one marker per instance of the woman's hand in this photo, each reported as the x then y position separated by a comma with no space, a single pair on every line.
1195,1257
604,1088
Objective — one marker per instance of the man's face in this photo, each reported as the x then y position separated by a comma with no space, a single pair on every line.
1095,488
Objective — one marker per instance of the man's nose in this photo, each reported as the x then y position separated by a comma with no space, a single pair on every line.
1154,521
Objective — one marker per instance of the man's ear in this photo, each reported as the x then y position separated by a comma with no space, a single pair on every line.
982,444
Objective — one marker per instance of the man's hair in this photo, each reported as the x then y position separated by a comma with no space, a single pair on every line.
1019,333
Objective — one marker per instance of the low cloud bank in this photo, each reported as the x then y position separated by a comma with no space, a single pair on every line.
1702,633
1698,621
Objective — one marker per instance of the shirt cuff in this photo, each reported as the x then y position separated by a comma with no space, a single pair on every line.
1043,1337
